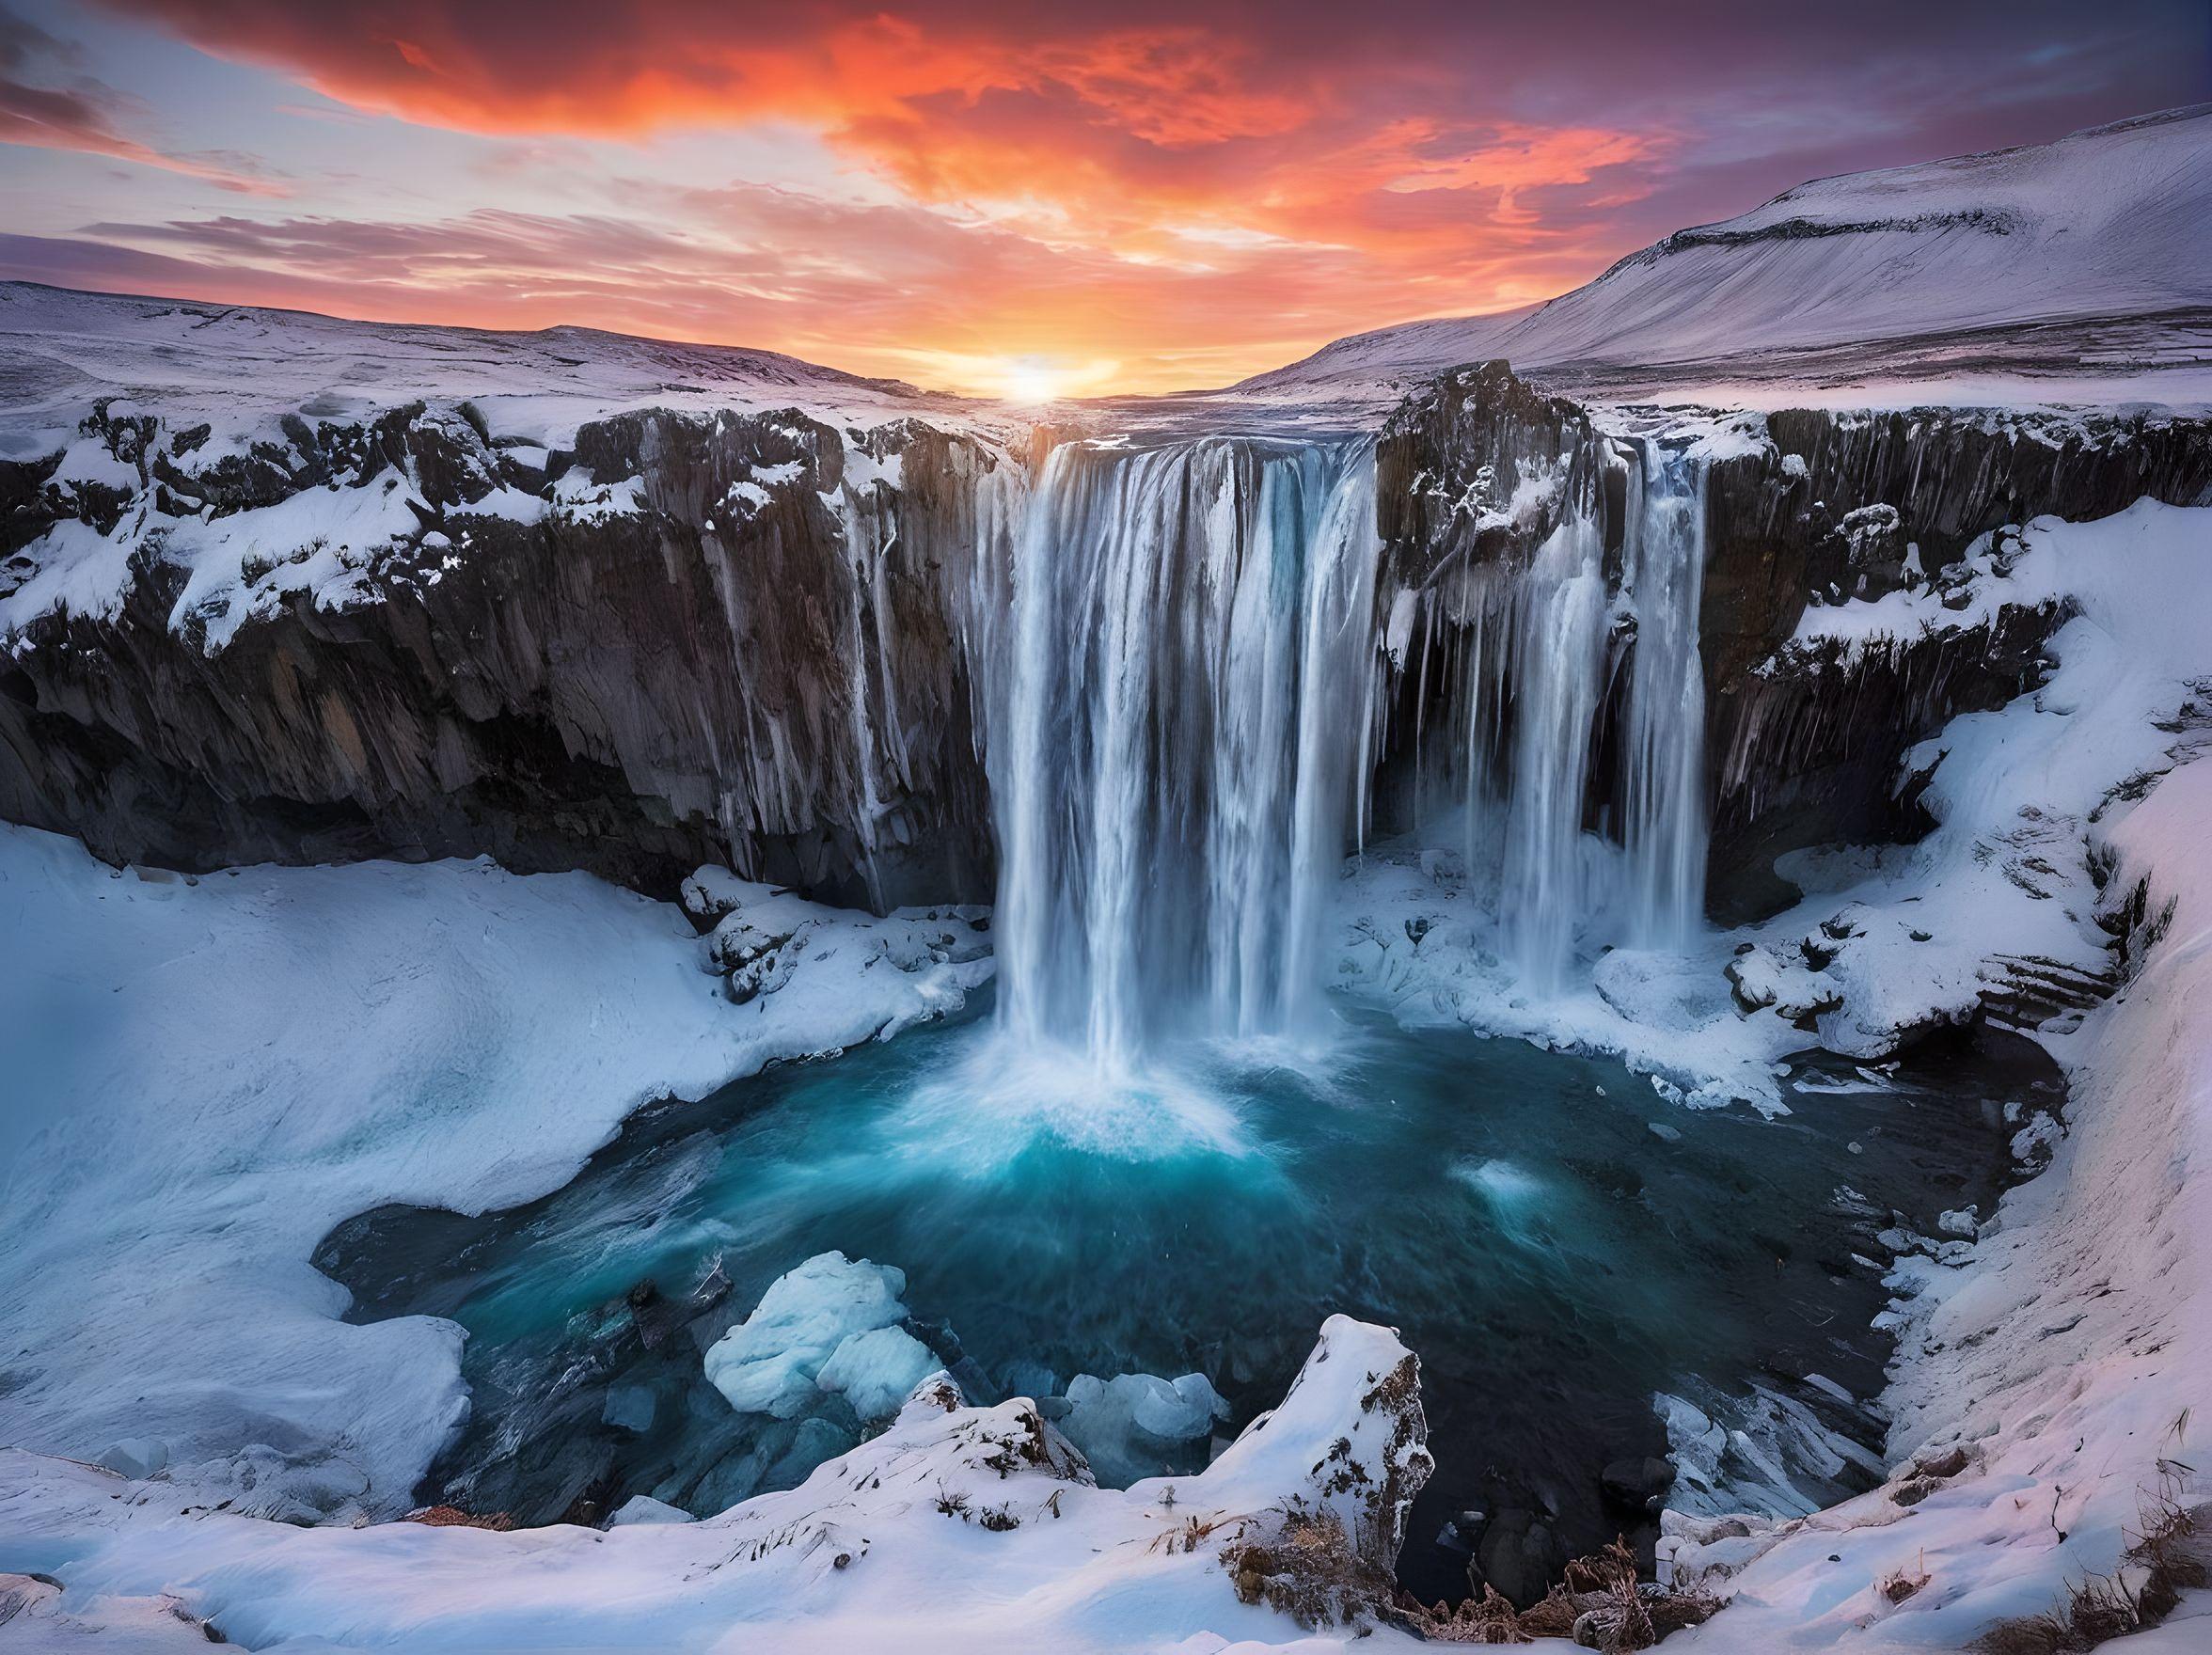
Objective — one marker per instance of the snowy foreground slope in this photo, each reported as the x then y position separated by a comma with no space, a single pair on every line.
2083,258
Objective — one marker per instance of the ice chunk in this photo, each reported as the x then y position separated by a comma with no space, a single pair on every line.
769,1363
877,1370
1127,1426
712,892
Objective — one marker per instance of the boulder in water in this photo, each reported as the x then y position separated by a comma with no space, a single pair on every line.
1638,1484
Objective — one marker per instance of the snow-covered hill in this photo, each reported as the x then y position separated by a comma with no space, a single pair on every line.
1946,265
234,366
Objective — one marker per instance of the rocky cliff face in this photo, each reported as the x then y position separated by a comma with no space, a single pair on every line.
730,639
1805,744
1802,508
765,640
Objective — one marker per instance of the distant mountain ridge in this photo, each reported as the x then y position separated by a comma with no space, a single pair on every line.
2107,224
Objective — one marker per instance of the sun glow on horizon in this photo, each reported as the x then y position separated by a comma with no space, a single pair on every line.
1029,381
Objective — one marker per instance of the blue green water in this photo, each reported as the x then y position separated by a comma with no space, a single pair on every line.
1552,1259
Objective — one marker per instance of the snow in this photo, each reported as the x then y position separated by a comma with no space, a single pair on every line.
234,368
2069,1355
205,1076
1841,272
958,1527
820,1328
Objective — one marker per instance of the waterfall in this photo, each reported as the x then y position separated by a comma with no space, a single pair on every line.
1182,731
1182,738
1666,831
1553,657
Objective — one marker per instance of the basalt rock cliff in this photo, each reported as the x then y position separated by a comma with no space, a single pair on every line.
767,641
731,638
1802,507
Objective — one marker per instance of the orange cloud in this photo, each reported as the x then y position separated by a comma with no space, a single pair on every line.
1143,197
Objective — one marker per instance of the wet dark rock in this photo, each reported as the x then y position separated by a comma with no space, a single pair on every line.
1519,1555
631,694
1808,751
1639,1484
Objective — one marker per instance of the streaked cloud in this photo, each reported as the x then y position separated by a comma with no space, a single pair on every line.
1144,196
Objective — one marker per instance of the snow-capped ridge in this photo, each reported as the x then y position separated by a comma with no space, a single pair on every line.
2100,229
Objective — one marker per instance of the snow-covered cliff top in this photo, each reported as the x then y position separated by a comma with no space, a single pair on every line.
232,367
1941,270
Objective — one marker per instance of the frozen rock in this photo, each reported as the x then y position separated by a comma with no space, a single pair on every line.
1664,1133
770,1362
24,1595
1959,1221
645,1508
877,1370
711,893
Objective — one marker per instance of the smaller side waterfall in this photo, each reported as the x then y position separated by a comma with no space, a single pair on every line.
1183,725
1576,696
1665,830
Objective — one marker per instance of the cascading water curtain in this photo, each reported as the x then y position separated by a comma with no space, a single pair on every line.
1667,829
1546,655
1183,722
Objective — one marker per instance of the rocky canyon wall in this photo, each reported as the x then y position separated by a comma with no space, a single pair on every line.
1803,744
740,639
767,641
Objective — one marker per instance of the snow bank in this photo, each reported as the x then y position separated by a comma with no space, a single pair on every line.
969,1528
2061,1378
205,1076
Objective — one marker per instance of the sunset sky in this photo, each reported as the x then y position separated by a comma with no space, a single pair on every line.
996,198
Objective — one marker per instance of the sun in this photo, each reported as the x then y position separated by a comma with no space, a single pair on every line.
1031,379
